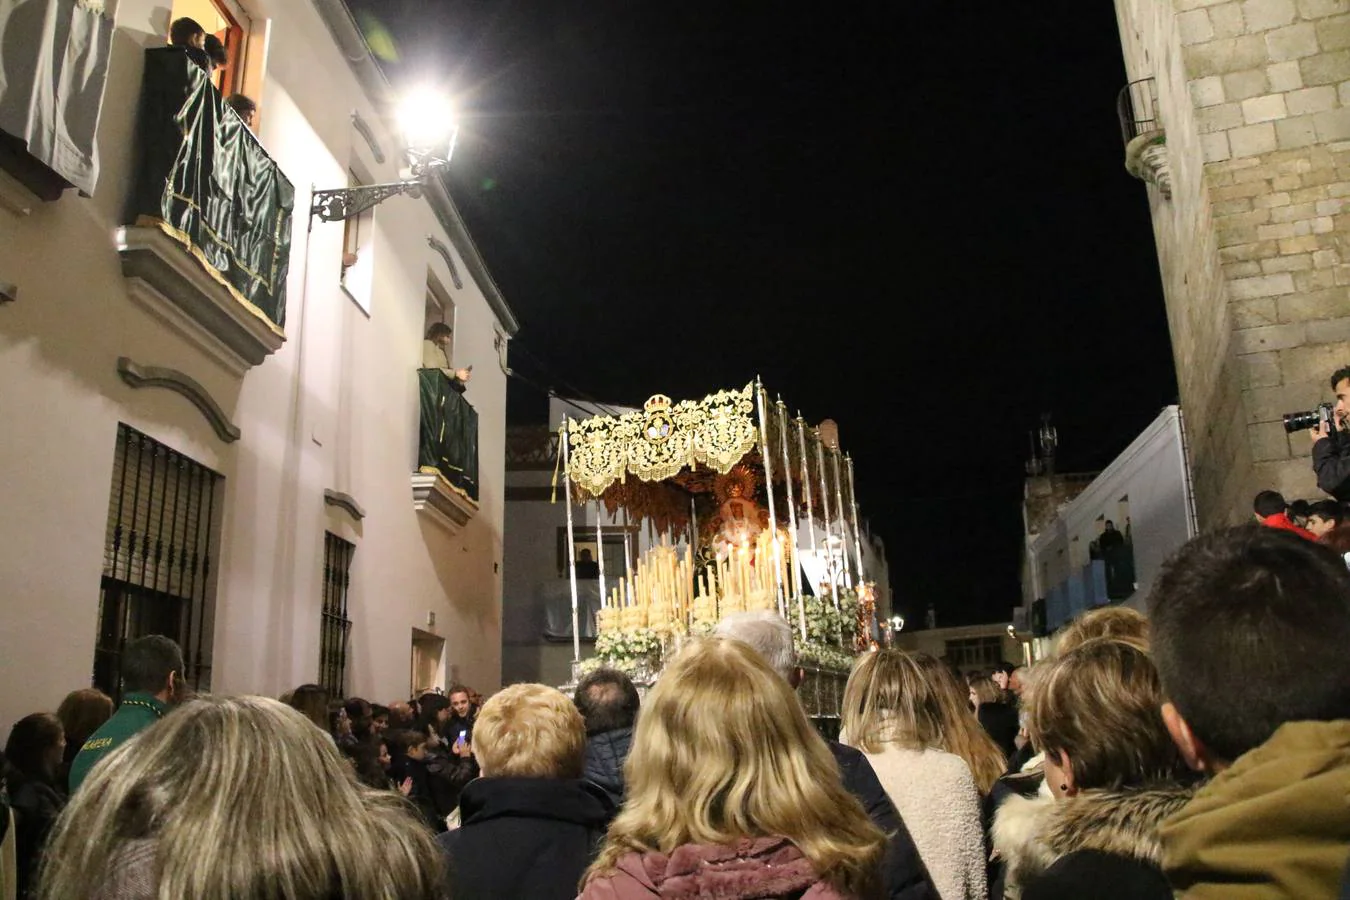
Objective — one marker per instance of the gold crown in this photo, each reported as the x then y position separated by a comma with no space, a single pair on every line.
656,402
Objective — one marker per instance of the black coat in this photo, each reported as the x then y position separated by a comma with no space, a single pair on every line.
903,874
36,806
605,755
525,837
1331,462
1000,721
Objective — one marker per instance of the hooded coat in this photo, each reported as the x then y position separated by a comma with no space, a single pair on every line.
766,868
1274,824
1107,838
605,756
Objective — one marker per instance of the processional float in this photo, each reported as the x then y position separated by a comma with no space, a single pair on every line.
724,486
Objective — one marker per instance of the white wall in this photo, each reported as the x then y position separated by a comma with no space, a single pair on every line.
336,407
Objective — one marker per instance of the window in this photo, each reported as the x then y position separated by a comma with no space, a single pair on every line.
335,626
588,556
357,265
439,308
975,653
224,20
157,557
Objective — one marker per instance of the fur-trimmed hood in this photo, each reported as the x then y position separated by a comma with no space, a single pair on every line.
1031,834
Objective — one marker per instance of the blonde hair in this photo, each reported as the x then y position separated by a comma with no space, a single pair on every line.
238,797
1118,622
1102,705
985,689
723,751
913,700
530,731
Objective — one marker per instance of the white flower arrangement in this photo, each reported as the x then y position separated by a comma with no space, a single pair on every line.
629,646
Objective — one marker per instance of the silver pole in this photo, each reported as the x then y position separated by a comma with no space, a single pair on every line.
627,556
857,530
794,585
571,546
600,547
825,512
767,455
806,482
843,517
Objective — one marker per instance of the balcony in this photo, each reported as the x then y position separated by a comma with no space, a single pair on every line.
209,246
1143,134
445,485
531,448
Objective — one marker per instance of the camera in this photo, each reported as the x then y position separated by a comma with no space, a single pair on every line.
1303,421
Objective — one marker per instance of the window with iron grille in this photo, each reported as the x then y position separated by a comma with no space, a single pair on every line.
337,564
975,653
158,557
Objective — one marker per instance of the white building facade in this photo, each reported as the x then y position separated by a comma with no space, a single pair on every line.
173,461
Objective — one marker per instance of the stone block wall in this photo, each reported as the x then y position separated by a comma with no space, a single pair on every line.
1254,244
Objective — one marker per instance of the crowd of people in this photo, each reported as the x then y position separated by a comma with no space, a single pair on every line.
1200,751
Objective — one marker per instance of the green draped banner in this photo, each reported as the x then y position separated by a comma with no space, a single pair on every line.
449,440
205,180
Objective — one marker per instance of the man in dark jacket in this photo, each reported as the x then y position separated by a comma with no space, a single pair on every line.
609,703
903,871
530,825
1331,446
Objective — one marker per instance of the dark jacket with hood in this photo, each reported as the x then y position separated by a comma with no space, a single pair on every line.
525,837
605,756
1106,839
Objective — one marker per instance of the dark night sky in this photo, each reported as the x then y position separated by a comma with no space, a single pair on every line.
915,221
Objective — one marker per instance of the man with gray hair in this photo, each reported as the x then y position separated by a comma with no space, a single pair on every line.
769,635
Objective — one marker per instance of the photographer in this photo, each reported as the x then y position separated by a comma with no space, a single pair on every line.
1331,446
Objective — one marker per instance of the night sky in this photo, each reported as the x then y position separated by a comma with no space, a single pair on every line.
915,221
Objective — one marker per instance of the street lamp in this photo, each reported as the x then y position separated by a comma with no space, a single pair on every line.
428,128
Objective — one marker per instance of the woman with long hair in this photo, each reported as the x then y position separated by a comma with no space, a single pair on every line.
236,797
33,757
907,713
1113,773
81,714
311,700
732,793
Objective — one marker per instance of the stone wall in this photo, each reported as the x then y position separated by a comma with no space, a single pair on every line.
1254,244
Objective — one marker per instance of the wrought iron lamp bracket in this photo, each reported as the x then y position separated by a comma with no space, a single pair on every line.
338,204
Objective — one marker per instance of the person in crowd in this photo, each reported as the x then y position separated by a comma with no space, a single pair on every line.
311,701
1250,630
1016,683
189,35
1118,622
434,719
998,718
1331,445
200,807
1272,511
359,713
733,794
608,702
244,106
1298,512
1002,672
1337,540
1114,775
82,713
1110,537
1323,516
434,781
531,824
586,566
33,754
216,57
903,873
459,727
152,683
379,719
436,352
340,724
905,716
401,716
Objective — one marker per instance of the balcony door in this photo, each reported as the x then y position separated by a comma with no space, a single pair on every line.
226,20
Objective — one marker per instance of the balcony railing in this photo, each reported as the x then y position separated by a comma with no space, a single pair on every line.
1142,131
210,212
449,437
1137,108
531,447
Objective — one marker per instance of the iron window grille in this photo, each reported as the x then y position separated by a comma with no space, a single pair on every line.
1137,108
157,558
335,625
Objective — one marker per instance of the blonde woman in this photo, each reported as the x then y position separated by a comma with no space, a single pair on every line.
731,793
1114,774
1116,622
907,713
236,797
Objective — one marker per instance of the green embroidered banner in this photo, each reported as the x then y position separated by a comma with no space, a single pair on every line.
449,439
204,179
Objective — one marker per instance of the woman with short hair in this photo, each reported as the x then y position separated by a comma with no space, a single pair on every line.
236,797
33,757
82,713
1114,774
732,793
906,712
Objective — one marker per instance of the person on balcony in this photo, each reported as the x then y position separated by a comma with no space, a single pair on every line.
216,57
244,107
436,354
191,36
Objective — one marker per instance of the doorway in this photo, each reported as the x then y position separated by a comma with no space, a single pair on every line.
428,663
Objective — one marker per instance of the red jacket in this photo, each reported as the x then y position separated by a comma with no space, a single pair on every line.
1282,522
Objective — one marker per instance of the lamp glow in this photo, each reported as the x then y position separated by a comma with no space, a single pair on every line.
427,119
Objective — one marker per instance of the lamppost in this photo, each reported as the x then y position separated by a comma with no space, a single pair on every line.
429,131
893,624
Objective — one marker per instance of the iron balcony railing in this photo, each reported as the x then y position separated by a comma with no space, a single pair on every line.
1137,108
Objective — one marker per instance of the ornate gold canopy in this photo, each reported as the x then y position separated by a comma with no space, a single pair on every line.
658,442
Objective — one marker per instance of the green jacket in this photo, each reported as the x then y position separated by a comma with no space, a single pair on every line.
137,712
1275,825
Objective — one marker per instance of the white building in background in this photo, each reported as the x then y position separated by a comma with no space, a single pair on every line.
1146,494
174,460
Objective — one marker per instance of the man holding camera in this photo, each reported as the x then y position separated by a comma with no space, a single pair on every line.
1331,442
